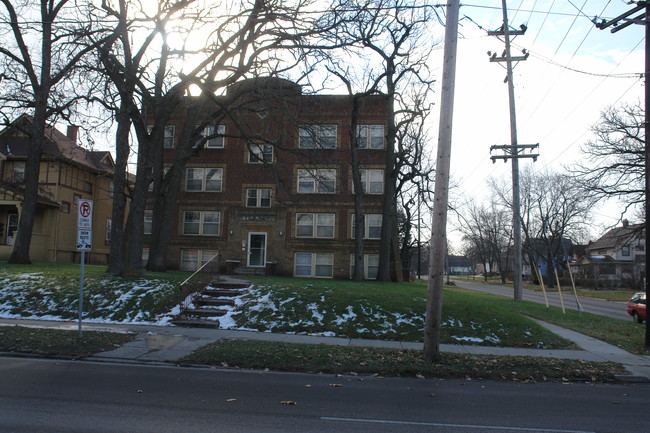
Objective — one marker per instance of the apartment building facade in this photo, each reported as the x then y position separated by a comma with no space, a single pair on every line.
272,186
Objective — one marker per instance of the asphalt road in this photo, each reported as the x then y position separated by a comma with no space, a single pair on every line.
611,309
72,396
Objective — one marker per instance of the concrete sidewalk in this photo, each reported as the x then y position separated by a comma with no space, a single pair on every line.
168,344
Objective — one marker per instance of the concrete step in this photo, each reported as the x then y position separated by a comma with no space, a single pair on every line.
196,323
229,285
250,271
203,312
214,292
209,301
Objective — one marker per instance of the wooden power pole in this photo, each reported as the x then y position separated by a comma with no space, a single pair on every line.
441,192
513,151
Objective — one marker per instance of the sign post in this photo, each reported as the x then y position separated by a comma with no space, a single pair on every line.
84,243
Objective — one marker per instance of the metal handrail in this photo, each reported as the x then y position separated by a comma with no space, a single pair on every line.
188,296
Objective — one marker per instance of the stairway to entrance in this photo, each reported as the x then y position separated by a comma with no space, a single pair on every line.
210,303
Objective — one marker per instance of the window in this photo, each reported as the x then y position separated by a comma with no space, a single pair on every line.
168,135
320,265
203,179
165,170
370,264
214,135
76,198
370,136
18,172
260,153
111,188
258,197
372,181
65,206
317,181
87,186
317,136
168,139
192,259
201,223
107,236
12,227
315,225
625,251
372,226
148,221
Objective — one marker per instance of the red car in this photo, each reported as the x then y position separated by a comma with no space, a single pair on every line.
636,307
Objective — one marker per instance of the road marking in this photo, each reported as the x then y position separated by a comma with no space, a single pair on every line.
436,424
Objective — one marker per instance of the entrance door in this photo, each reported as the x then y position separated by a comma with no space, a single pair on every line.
256,249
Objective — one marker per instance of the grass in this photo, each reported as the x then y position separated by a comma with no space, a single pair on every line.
58,343
391,311
47,289
624,334
389,362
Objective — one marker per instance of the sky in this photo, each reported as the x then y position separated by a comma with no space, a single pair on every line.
574,72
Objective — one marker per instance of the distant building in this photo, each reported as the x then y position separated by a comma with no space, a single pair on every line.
272,190
459,265
617,257
68,173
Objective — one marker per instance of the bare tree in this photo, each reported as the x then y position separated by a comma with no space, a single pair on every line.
387,37
39,51
553,210
615,164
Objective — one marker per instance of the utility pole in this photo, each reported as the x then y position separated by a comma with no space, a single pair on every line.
513,151
619,23
433,318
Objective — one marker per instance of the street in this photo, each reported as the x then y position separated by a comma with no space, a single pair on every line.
611,309
74,396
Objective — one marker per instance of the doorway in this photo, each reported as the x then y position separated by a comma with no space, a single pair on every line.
256,249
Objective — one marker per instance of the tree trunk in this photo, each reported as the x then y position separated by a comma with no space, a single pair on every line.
20,252
116,260
388,208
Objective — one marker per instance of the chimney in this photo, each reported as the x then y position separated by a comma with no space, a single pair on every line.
626,223
72,133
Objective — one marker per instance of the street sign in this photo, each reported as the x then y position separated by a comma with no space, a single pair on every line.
85,215
84,240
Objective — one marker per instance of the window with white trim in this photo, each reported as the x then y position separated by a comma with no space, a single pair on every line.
18,172
315,225
370,266
214,136
314,265
203,179
317,181
370,136
317,137
107,233
201,223
260,153
192,259
148,221
372,181
168,135
371,224
258,197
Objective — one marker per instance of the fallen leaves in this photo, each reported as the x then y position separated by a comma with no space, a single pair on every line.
288,402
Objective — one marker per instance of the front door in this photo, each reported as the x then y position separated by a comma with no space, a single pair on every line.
256,249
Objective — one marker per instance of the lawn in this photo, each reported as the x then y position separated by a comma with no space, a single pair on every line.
51,291
390,362
390,311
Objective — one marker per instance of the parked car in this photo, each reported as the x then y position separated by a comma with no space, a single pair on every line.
636,307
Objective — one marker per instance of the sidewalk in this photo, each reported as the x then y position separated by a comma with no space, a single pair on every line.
168,344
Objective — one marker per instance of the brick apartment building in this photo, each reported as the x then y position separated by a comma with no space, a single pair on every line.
273,191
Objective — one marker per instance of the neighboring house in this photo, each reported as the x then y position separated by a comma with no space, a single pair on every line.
280,198
459,265
619,255
67,173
